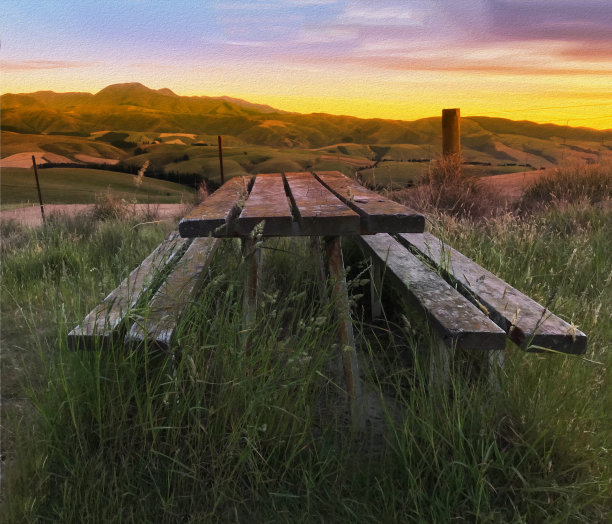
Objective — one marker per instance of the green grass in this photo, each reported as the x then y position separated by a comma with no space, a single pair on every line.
395,173
571,183
209,433
13,143
80,186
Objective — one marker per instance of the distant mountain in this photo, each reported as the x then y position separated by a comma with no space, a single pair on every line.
135,107
262,108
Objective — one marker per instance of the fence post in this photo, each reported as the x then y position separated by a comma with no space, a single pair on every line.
221,159
42,207
450,132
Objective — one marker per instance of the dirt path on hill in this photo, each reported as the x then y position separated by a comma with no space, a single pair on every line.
30,215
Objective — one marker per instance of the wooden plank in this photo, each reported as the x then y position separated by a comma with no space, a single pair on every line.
527,323
457,321
100,327
168,303
267,203
214,215
319,212
378,214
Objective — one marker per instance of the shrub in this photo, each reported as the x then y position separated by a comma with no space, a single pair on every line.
570,183
109,206
447,188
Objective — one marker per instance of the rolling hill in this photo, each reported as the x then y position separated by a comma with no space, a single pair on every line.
139,116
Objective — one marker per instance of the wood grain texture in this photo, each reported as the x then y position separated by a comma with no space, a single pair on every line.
457,321
214,215
319,212
378,214
173,296
101,326
267,203
527,323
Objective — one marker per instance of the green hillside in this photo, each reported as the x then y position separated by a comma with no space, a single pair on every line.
80,186
178,134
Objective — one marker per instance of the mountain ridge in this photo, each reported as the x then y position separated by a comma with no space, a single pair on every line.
136,107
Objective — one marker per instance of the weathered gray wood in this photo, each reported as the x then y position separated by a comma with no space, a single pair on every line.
456,320
177,291
526,322
348,351
496,365
378,214
440,359
253,257
214,215
319,212
269,204
100,327
319,264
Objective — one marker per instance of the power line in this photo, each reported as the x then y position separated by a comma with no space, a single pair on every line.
545,107
584,118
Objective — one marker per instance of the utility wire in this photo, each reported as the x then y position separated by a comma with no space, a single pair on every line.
544,107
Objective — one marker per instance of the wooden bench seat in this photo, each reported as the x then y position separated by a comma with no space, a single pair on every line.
176,292
457,321
165,281
496,306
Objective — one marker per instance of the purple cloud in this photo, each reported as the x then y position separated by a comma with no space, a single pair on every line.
575,20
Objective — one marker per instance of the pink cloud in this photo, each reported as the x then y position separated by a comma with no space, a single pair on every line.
31,65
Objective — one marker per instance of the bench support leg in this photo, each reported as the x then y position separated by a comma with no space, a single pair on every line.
340,302
253,259
439,366
317,255
375,290
496,364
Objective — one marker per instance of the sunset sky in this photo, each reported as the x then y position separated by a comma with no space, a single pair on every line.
541,60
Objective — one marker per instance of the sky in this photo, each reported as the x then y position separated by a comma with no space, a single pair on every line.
540,60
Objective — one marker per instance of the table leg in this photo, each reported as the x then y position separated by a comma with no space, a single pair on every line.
253,258
440,359
495,363
340,302
317,254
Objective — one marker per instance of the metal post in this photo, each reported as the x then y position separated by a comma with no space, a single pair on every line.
450,132
221,159
345,331
42,208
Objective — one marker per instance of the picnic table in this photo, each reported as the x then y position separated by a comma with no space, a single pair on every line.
326,204
467,307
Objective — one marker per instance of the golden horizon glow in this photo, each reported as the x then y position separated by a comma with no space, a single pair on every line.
398,60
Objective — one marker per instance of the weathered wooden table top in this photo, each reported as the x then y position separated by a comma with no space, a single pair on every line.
298,204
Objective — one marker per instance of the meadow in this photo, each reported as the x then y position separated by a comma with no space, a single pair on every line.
83,186
207,433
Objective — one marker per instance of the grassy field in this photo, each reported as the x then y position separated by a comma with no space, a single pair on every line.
69,146
395,173
81,186
209,433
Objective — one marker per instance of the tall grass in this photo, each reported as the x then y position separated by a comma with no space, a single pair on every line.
570,183
205,433
448,188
